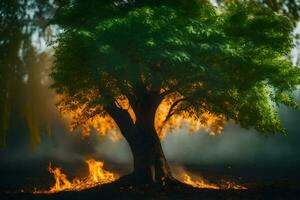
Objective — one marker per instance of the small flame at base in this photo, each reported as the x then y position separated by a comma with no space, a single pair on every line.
199,182
97,176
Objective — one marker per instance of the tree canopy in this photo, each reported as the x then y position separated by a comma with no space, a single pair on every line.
232,62
73,13
21,19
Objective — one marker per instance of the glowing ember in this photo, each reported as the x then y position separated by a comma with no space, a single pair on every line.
200,182
97,176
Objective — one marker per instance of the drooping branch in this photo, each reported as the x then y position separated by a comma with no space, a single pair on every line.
190,99
123,120
172,108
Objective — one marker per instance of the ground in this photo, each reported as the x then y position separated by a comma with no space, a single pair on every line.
264,182
107,192
118,191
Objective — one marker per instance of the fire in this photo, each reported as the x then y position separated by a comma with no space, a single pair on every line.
97,176
200,182
61,181
207,121
105,125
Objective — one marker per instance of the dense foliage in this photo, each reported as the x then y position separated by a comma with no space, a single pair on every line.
232,36
233,61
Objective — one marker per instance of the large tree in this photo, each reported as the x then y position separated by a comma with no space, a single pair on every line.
231,62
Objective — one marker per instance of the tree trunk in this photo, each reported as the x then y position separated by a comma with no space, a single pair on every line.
150,164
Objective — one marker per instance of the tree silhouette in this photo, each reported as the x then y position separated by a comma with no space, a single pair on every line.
231,62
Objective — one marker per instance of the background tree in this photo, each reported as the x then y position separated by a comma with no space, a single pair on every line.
19,21
231,63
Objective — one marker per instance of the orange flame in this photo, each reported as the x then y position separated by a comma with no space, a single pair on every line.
200,182
97,176
105,125
61,181
207,121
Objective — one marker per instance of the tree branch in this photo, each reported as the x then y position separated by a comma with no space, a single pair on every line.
171,110
167,92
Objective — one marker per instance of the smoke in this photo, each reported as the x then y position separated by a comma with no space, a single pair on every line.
234,146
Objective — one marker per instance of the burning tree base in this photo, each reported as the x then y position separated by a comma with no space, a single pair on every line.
98,176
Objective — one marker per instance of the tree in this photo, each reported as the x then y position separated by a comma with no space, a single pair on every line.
232,62
19,20
289,8
10,41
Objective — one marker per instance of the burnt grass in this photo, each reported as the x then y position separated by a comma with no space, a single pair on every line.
119,190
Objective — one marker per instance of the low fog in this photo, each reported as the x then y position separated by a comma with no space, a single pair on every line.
234,146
